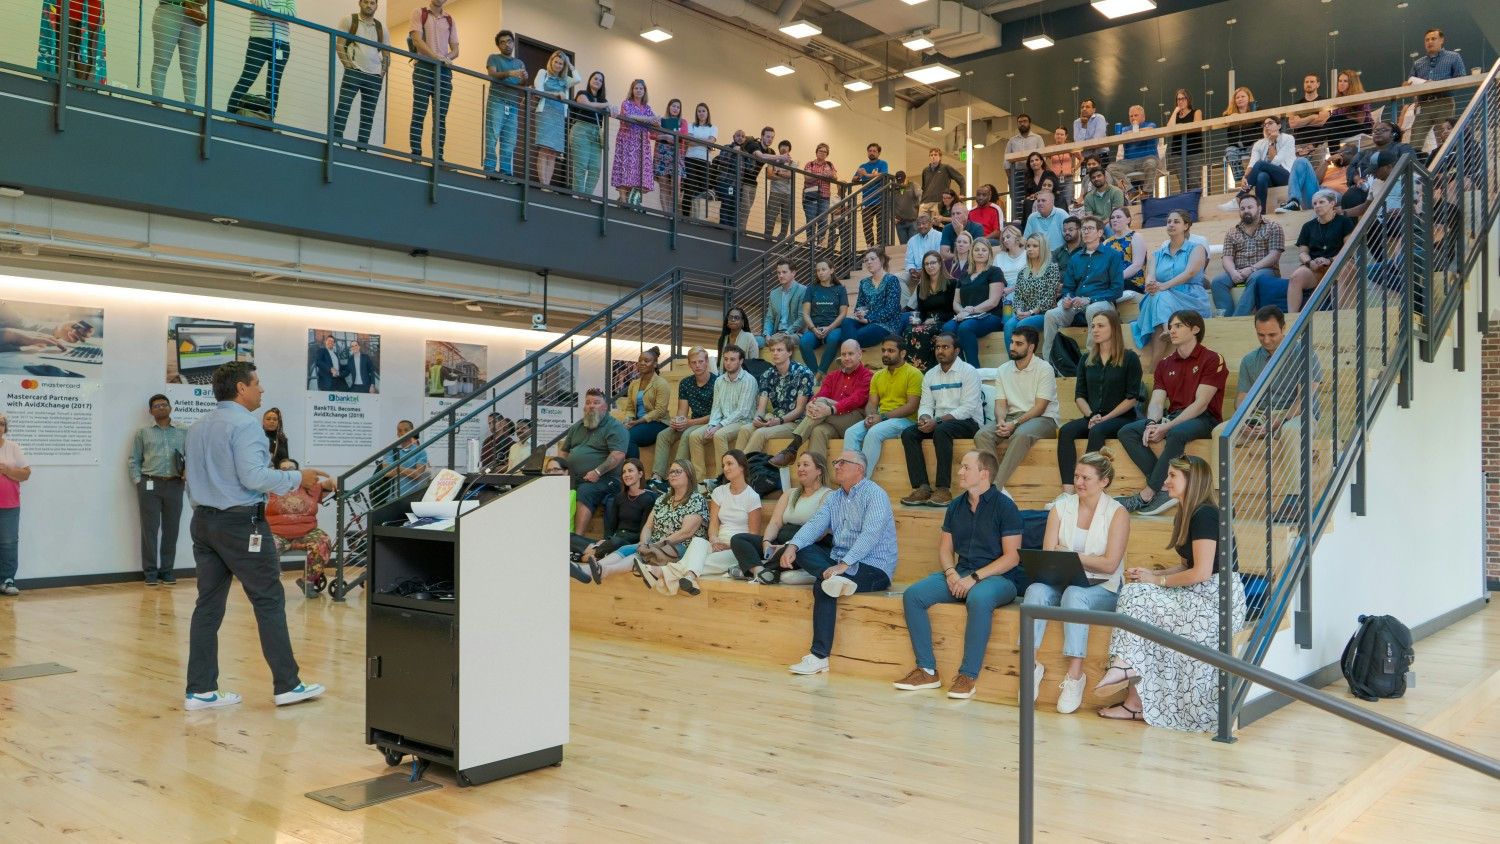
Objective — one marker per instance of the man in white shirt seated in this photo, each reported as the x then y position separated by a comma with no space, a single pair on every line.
927,239
951,408
1025,405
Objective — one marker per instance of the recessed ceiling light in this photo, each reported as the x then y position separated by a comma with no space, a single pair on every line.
782,69
1120,8
828,102
1037,42
918,42
801,29
857,85
913,2
656,34
932,74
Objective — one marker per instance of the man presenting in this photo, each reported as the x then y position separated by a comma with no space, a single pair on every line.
228,476
156,470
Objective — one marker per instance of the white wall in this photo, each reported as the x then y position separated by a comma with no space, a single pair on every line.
79,520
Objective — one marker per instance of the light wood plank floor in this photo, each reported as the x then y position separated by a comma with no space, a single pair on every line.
666,746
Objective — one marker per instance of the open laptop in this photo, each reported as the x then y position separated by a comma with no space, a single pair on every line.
203,347
1058,569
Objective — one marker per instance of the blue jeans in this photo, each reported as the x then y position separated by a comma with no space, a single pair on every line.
1075,636
970,330
367,86
501,116
1264,176
430,85
1303,183
814,560
868,334
643,434
986,596
1037,321
811,208
809,343
1261,285
10,542
869,440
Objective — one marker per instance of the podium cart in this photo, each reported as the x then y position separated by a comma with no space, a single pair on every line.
467,634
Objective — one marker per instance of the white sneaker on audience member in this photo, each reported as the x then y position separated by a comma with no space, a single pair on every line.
809,665
838,586
1036,683
210,700
303,692
1072,694
797,577
1231,205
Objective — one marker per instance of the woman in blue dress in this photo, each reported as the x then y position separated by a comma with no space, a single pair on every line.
552,114
1174,282
877,310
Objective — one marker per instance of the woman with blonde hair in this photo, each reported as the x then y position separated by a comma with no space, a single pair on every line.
1347,121
1107,392
1163,687
1090,523
959,265
1240,138
1038,285
977,304
557,78
758,553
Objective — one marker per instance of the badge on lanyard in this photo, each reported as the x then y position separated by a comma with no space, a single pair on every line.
150,484
255,543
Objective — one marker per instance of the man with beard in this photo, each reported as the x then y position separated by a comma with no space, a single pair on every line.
872,169
1072,241
1252,257
594,448
1025,405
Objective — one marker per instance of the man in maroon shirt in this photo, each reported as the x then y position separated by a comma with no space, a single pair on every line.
1187,401
838,404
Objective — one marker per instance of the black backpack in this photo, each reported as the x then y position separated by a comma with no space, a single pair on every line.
1066,358
763,478
1376,659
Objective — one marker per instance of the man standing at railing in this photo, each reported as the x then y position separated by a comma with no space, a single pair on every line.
757,152
434,37
1090,126
870,208
1022,142
1439,64
365,69
270,42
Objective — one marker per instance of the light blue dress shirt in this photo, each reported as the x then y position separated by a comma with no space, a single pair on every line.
864,529
228,460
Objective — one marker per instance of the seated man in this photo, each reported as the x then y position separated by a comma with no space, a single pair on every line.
1187,401
593,450
863,557
409,472
985,212
1103,198
1092,281
951,409
895,395
980,548
695,401
1025,405
785,388
1046,218
1071,245
1139,157
733,406
961,223
1278,416
1252,257
784,305
927,239
839,404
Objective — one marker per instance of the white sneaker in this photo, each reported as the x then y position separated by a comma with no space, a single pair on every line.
797,577
9,587
809,665
303,692
1072,694
210,700
1231,205
1036,677
838,586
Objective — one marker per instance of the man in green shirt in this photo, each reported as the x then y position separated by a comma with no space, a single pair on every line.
1104,198
895,392
594,448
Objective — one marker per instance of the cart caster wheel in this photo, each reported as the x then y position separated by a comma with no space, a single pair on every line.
392,758
320,584
464,781
337,586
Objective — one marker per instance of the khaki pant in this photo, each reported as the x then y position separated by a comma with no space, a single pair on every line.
723,441
1015,446
817,432
753,439
671,445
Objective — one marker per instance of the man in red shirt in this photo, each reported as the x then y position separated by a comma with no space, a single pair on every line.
985,212
835,408
1187,401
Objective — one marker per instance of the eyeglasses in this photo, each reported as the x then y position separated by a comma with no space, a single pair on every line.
842,462
672,472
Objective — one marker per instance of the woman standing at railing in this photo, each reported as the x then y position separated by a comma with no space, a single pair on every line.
585,140
552,114
1185,150
631,173
1347,121
173,31
1174,282
1240,138
667,161
695,163
1167,688
934,308
824,307
877,308
1064,164
1320,242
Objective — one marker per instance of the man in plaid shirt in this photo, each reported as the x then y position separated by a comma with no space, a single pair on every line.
1252,257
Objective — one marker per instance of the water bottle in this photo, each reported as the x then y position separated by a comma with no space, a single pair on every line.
1117,128
473,461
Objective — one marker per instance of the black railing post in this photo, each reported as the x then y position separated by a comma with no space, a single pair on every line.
1302,626
609,365
452,438
1361,385
1225,732
1027,761
333,62
340,548
741,213
536,398
208,79
674,206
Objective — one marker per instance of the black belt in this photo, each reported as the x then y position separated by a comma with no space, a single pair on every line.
162,477
256,510
1430,97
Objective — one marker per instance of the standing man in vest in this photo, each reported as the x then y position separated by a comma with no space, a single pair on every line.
365,69
228,476
434,37
156,470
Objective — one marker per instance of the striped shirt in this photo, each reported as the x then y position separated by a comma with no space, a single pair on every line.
863,527
953,393
734,399
262,26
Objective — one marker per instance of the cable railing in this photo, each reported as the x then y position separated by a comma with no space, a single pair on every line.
1301,434
253,65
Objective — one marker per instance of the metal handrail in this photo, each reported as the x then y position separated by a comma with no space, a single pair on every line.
1245,671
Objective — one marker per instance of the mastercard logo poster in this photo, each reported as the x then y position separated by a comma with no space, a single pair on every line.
30,383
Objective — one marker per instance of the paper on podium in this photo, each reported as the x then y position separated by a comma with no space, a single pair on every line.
441,509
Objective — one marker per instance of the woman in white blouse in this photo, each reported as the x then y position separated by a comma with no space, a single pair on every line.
1271,162
1011,257
1095,526
758,554
733,508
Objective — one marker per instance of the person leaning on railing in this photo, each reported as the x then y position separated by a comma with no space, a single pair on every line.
503,103
434,36
586,136
1437,65
1163,687
269,44
695,160
815,191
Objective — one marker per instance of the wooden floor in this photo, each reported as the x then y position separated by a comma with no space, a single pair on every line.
667,745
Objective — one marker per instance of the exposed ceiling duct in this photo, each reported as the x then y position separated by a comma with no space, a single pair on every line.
956,29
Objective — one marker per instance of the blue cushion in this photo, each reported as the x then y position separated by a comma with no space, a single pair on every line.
1154,211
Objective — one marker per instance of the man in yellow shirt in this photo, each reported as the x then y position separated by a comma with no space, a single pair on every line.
895,392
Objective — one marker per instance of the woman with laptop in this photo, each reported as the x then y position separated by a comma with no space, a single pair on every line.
1090,523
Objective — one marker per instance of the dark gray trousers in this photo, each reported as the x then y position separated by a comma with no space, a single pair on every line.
161,515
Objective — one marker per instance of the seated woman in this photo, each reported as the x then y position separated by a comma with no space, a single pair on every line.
1038,285
756,553
934,307
1092,524
677,517
1174,282
824,308
648,398
977,305
294,527
734,508
959,265
1107,392
1321,240
1132,248
1034,173
1010,256
1167,688
877,308
736,332
625,514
